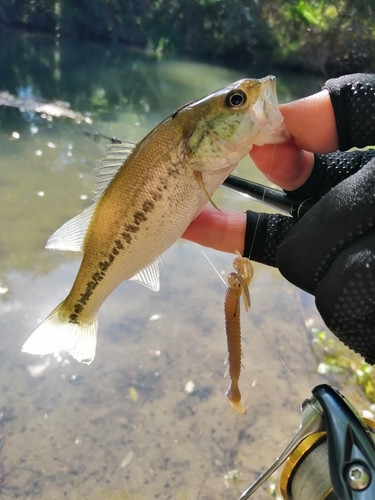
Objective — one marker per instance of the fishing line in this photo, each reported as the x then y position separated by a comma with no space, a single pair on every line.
267,184
304,392
262,201
214,268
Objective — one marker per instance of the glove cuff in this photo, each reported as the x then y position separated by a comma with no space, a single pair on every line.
264,233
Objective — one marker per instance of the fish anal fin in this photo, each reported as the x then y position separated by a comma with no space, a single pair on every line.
149,276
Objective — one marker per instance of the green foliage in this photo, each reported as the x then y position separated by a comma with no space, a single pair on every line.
309,13
337,359
213,26
327,37
323,36
37,15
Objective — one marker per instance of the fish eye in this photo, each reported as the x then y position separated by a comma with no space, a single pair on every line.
235,98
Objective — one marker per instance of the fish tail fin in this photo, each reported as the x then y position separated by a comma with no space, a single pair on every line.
57,334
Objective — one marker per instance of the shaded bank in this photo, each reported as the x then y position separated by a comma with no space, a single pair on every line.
324,37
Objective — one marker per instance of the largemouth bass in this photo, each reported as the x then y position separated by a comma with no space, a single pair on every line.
147,196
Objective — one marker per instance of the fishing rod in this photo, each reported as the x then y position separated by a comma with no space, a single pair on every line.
332,456
96,136
273,197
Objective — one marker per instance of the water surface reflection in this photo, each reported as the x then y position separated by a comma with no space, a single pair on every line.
126,421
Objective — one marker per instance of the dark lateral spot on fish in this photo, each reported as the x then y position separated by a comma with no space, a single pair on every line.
131,228
98,276
87,294
78,308
90,287
156,196
127,237
73,318
119,244
173,170
139,217
148,206
104,266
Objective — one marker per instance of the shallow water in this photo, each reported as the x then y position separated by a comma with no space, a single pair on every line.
126,422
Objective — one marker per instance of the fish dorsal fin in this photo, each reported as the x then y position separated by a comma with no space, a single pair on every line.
71,235
149,276
111,163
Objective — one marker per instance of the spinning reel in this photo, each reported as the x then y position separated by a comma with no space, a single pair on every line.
332,456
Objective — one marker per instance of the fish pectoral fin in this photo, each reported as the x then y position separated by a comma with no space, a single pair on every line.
71,235
198,175
149,276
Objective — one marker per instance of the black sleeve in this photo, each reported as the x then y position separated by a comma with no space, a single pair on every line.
353,101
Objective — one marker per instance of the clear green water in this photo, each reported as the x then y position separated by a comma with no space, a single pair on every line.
126,423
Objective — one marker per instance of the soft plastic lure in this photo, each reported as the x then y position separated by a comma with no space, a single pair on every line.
238,285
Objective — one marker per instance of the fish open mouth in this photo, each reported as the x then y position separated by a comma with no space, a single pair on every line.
268,115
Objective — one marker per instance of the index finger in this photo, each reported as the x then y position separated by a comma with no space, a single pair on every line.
218,229
311,123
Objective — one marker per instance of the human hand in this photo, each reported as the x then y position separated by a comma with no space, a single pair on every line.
330,252
311,123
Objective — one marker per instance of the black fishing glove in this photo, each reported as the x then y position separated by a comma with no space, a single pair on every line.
330,251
